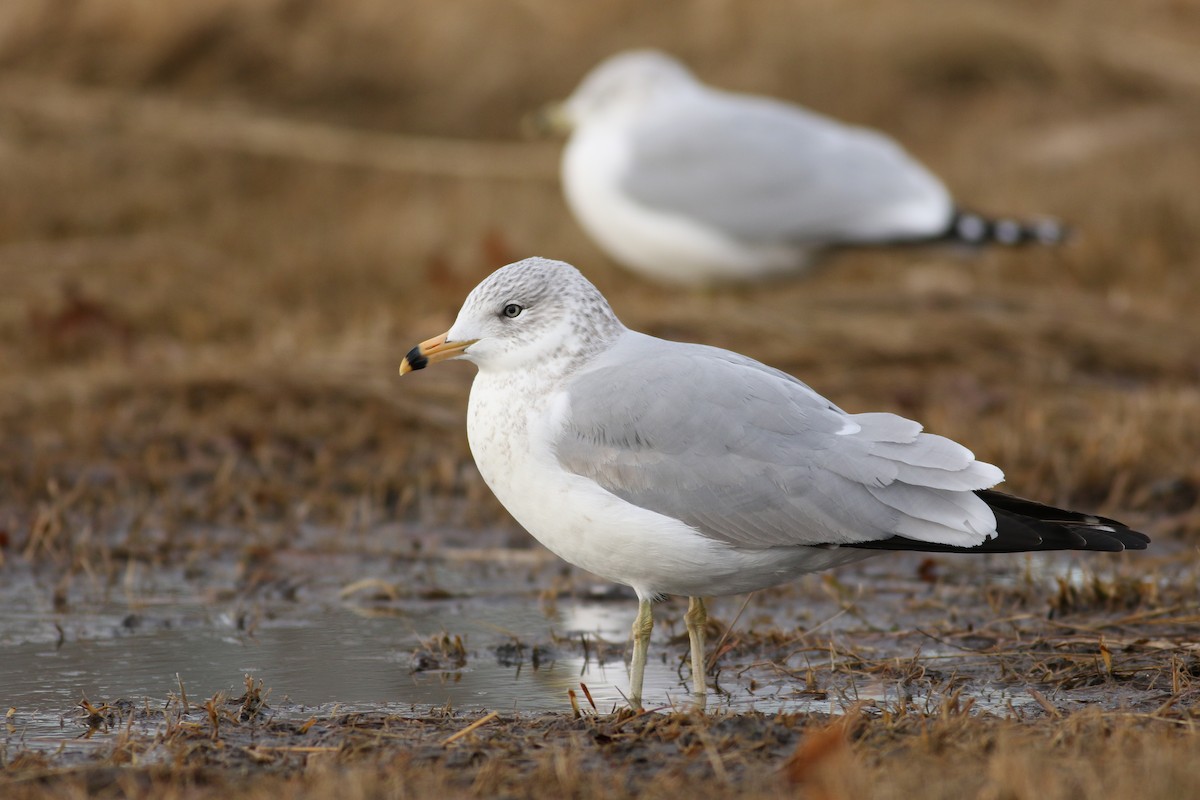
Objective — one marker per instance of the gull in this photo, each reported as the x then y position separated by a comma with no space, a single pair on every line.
681,469
688,184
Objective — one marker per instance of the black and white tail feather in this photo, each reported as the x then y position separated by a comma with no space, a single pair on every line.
1026,526
968,227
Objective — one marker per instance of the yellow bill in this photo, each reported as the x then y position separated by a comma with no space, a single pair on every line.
432,351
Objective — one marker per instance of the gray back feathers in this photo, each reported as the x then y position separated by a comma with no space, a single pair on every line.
754,458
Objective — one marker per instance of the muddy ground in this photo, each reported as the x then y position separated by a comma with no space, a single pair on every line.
221,227
479,672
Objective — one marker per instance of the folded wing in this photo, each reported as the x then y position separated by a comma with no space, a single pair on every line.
763,171
752,457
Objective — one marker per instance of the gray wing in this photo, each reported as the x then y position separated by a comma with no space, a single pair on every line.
766,171
752,457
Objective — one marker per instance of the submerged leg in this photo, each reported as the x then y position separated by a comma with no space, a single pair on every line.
641,642
696,620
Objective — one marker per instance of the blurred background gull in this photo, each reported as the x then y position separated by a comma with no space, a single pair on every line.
689,184
213,218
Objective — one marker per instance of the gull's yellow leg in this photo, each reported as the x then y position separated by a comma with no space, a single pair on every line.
641,643
696,620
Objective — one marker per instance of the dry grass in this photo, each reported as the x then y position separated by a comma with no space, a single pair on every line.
222,224
217,749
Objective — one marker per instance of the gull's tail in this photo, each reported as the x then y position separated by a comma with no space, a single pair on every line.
1023,526
967,227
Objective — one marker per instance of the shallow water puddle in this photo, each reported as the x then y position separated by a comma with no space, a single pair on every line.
333,658
401,656
473,634
315,657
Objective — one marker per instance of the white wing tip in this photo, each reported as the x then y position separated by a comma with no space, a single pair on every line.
989,474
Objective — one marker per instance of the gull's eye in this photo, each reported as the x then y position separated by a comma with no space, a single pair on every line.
513,310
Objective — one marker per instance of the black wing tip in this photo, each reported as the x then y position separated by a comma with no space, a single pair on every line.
969,227
1061,528
1024,526
1133,540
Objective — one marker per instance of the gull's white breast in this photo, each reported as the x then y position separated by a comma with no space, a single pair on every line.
511,422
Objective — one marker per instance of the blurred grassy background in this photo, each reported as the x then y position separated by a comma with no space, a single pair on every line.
222,224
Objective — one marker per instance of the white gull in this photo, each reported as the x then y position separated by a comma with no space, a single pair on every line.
681,469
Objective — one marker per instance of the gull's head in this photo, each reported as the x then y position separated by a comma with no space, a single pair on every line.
617,89
528,314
